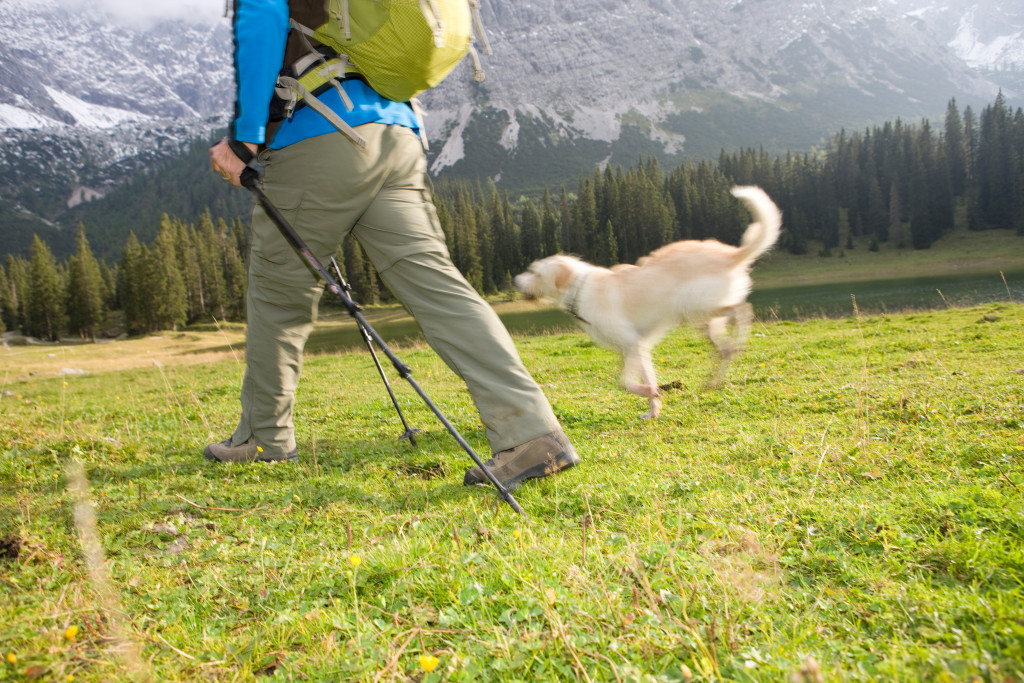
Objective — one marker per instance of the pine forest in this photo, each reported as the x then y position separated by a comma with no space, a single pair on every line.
898,183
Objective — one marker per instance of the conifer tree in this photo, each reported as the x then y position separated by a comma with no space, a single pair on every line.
45,307
549,226
109,276
5,299
355,266
971,141
513,238
444,219
956,149
583,234
876,215
169,303
468,248
17,279
610,249
235,274
85,305
531,234
499,256
565,221
187,260
486,241
131,294
896,232
211,268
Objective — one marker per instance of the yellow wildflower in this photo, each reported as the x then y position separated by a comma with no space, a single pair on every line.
517,533
12,658
429,662
71,632
355,560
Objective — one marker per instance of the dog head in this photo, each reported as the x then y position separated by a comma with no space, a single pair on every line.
549,277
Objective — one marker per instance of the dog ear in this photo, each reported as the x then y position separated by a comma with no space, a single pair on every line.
563,276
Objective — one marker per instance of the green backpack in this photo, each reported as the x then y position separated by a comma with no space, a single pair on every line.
400,47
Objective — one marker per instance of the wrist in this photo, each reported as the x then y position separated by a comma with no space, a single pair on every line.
245,151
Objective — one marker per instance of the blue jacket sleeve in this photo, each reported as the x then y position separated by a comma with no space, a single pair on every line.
260,33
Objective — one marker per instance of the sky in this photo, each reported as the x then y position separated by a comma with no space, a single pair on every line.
143,12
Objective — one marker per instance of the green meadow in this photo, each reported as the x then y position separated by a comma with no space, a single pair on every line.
848,507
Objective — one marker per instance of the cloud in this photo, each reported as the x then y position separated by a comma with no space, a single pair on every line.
143,13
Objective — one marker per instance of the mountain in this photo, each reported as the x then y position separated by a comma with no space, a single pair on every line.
687,78
88,102
985,34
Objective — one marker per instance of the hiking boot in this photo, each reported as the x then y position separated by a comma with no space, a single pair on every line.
245,452
540,457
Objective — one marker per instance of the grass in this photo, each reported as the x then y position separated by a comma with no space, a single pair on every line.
956,253
850,507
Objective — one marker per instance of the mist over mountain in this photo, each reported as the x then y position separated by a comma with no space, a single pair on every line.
89,103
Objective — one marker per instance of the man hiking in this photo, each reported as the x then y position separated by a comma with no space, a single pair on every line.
352,162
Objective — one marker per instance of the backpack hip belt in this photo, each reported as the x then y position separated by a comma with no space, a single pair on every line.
316,74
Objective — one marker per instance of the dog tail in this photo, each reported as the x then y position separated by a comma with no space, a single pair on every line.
764,231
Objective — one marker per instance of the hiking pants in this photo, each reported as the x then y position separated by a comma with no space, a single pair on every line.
327,187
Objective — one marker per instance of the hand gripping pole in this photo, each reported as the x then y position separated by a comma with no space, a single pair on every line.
250,179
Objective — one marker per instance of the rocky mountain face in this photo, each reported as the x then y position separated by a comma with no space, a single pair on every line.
986,34
87,101
693,76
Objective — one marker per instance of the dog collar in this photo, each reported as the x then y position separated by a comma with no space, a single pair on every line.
569,301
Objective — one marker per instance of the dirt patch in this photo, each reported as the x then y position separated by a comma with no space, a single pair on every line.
10,548
426,472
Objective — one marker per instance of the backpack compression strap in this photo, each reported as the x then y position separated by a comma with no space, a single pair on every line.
310,79
292,90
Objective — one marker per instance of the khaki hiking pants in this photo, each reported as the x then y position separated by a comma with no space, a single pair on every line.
327,187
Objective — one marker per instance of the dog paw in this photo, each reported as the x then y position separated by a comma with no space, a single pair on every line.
653,412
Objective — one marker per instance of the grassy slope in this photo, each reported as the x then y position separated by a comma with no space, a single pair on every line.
853,495
956,253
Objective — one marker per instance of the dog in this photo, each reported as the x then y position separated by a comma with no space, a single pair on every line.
630,308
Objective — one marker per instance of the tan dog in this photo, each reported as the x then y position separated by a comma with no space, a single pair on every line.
630,308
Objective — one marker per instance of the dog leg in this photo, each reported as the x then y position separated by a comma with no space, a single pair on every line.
654,405
636,363
718,332
742,318
729,346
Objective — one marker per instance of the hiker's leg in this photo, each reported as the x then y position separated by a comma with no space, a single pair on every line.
401,234
320,186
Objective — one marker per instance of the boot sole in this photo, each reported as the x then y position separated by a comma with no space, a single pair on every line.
289,458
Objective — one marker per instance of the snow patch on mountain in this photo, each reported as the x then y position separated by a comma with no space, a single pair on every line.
510,136
998,52
15,117
454,148
92,115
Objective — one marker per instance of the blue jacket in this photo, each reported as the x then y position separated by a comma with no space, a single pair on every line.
260,34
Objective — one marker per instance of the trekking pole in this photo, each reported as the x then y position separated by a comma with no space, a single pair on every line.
250,180
409,431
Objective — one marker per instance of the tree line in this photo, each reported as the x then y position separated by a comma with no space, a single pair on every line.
897,183
187,274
